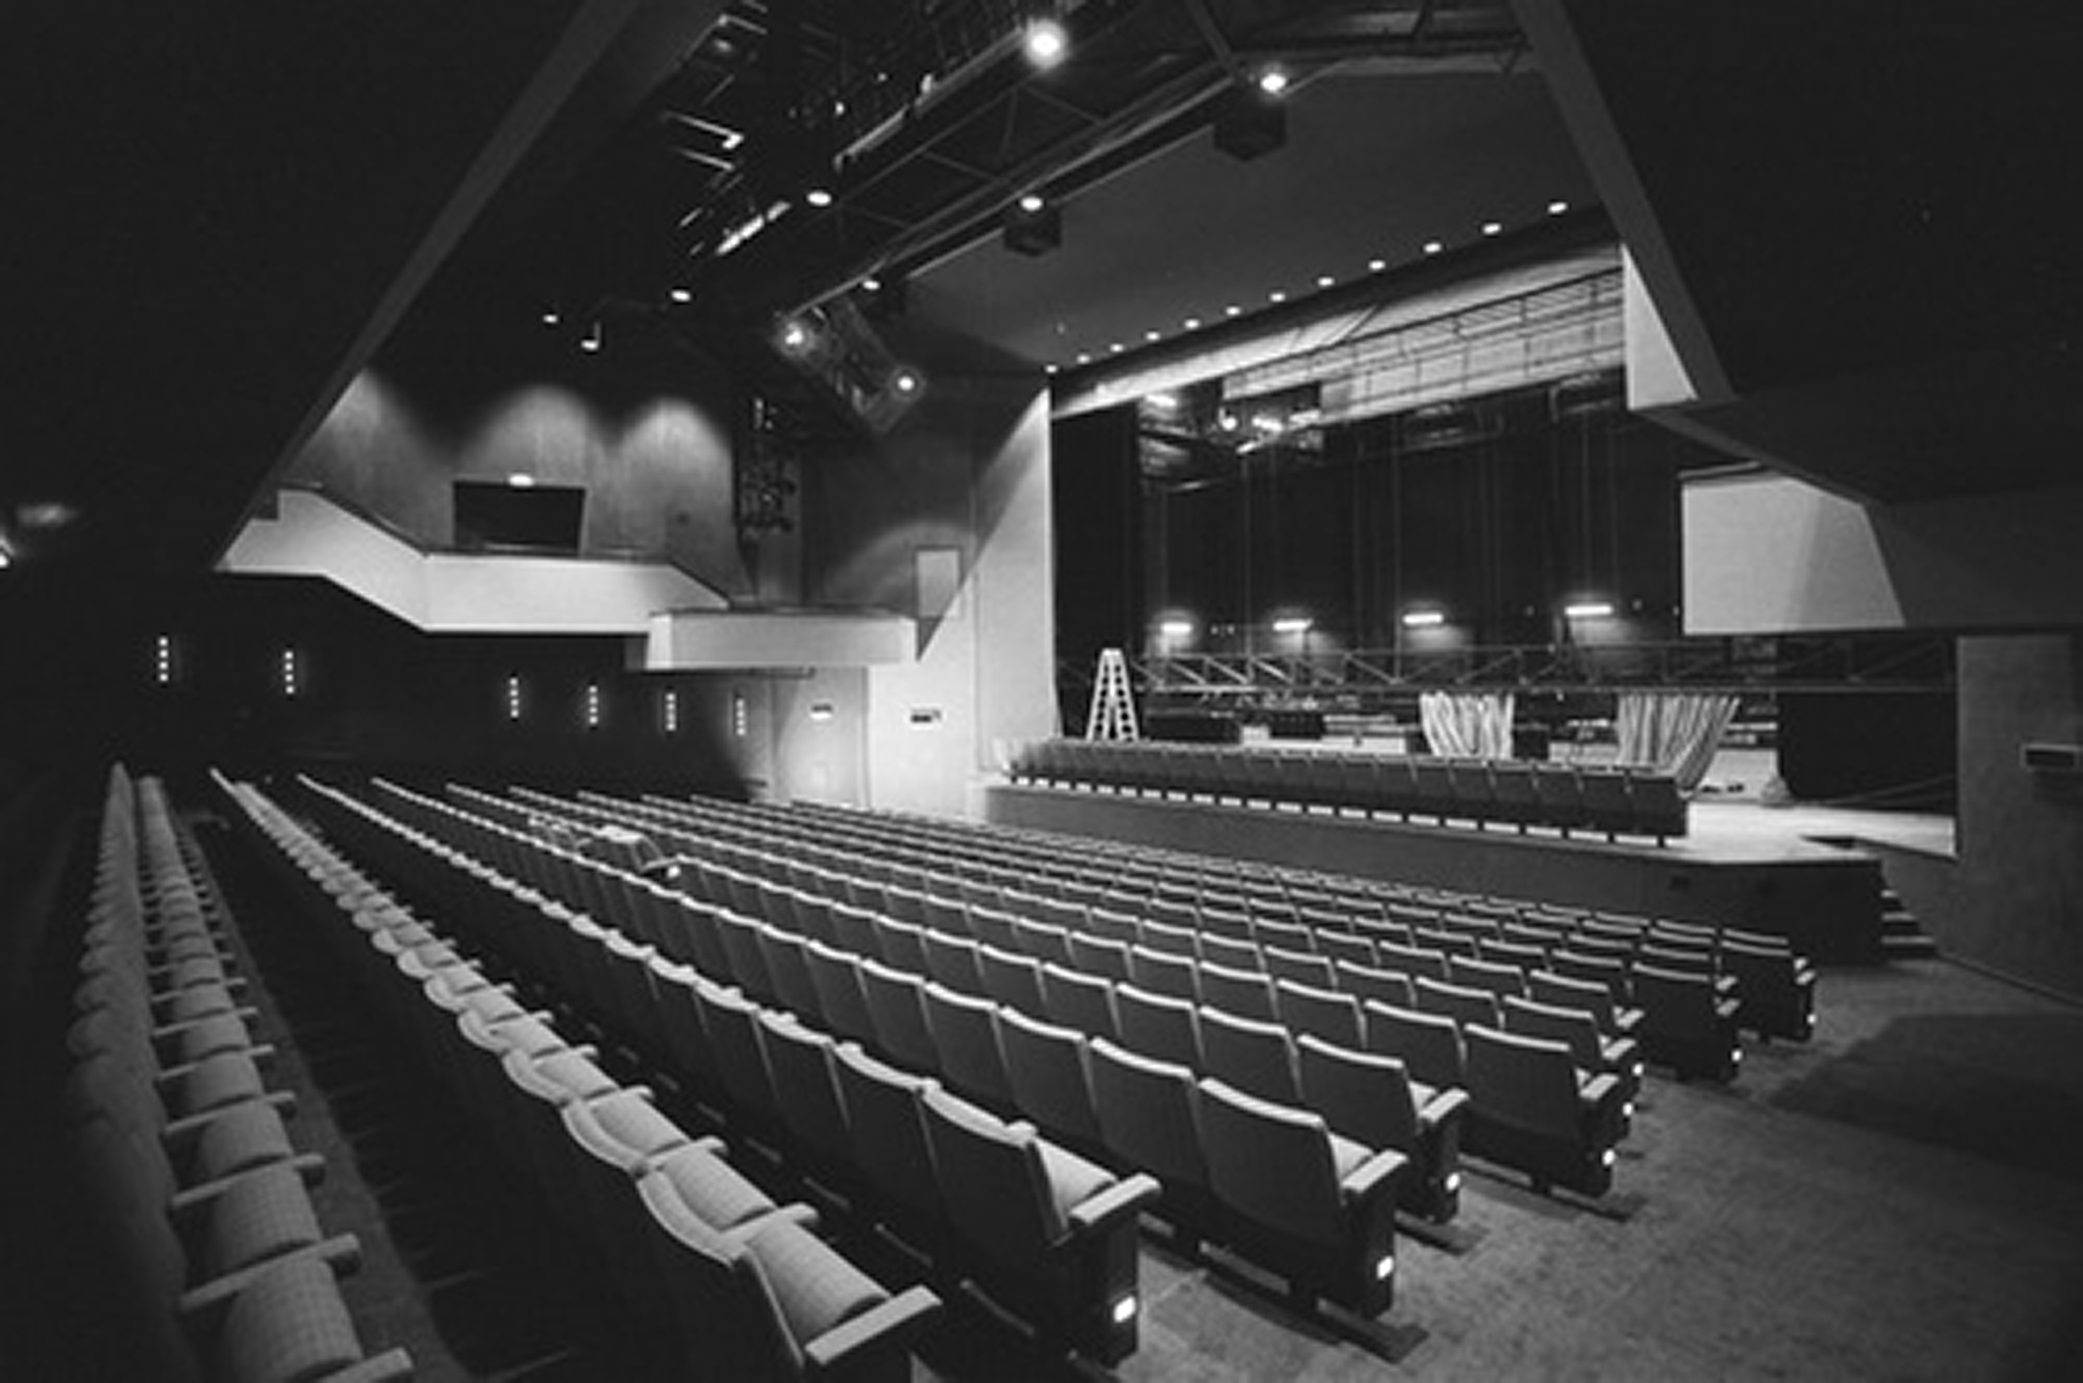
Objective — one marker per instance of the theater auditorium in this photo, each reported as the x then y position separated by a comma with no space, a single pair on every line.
1041,689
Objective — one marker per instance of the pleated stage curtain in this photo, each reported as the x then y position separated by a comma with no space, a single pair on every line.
1672,732
1467,725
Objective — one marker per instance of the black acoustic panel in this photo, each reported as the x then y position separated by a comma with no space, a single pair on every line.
533,518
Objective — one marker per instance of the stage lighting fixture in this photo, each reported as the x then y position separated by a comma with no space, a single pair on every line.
1424,619
681,294
1032,226
1252,122
1588,609
1046,41
590,342
795,336
1293,624
907,382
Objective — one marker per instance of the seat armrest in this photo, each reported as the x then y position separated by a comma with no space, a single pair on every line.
261,1054
184,1203
888,1323
1100,1212
203,1307
377,1368
178,1132
1725,1010
1376,1176
1450,1103
1599,1099
245,1013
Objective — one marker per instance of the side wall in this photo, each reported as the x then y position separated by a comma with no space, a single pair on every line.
946,519
2018,896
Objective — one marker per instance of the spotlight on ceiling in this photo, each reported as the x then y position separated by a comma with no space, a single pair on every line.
1250,122
819,197
1273,81
681,294
590,342
1593,608
551,317
795,336
1046,41
1032,226
882,296
908,382
1424,619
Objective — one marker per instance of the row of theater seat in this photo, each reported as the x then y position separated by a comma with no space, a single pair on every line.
1047,1234
1775,985
1515,792
1271,1181
198,1201
1298,1027
1533,1104
683,1234
1695,1002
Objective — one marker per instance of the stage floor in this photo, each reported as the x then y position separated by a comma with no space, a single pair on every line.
1728,830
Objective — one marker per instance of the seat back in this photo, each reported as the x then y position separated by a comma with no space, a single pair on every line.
993,1182
1325,1013
806,1088
1081,1001
1386,986
1524,1082
1051,1076
1458,1002
965,1033
1257,1058
882,1109
1158,1026
896,1001
1246,993
1271,1163
1428,1045
1171,973
1361,1095
1149,1115
952,961
1572,1027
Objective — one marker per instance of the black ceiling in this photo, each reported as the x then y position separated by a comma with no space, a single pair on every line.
1869,205
223,212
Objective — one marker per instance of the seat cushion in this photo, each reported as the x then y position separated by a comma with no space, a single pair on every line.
1347,1156
259,1216
713,1190
244,1136
813,1287
287,1326
1072,1181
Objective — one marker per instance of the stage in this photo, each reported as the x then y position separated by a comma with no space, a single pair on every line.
1810,873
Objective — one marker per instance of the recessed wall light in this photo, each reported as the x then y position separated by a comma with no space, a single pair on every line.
1557,207
1433,247
1492,227
1192,324
681,294
818,197
1278,295
1375,266
1325,280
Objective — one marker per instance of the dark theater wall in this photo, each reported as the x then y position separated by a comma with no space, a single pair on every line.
371,694
648,430
2018,897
